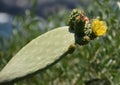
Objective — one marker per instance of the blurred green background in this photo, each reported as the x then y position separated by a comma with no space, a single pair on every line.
94,64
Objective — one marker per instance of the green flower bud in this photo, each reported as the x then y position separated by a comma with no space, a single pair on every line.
76,21
82,40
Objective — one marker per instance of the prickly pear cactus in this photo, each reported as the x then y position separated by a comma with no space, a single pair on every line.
38,54
48,48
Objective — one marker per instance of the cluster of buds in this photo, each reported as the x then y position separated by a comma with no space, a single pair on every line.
83,29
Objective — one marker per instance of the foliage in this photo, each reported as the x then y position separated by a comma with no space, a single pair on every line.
97,60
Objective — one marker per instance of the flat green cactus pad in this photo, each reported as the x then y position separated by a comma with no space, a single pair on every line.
38,54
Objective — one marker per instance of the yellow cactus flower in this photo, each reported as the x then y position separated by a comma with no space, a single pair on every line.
99,28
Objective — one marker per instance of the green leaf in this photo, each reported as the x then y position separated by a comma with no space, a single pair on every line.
37,55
